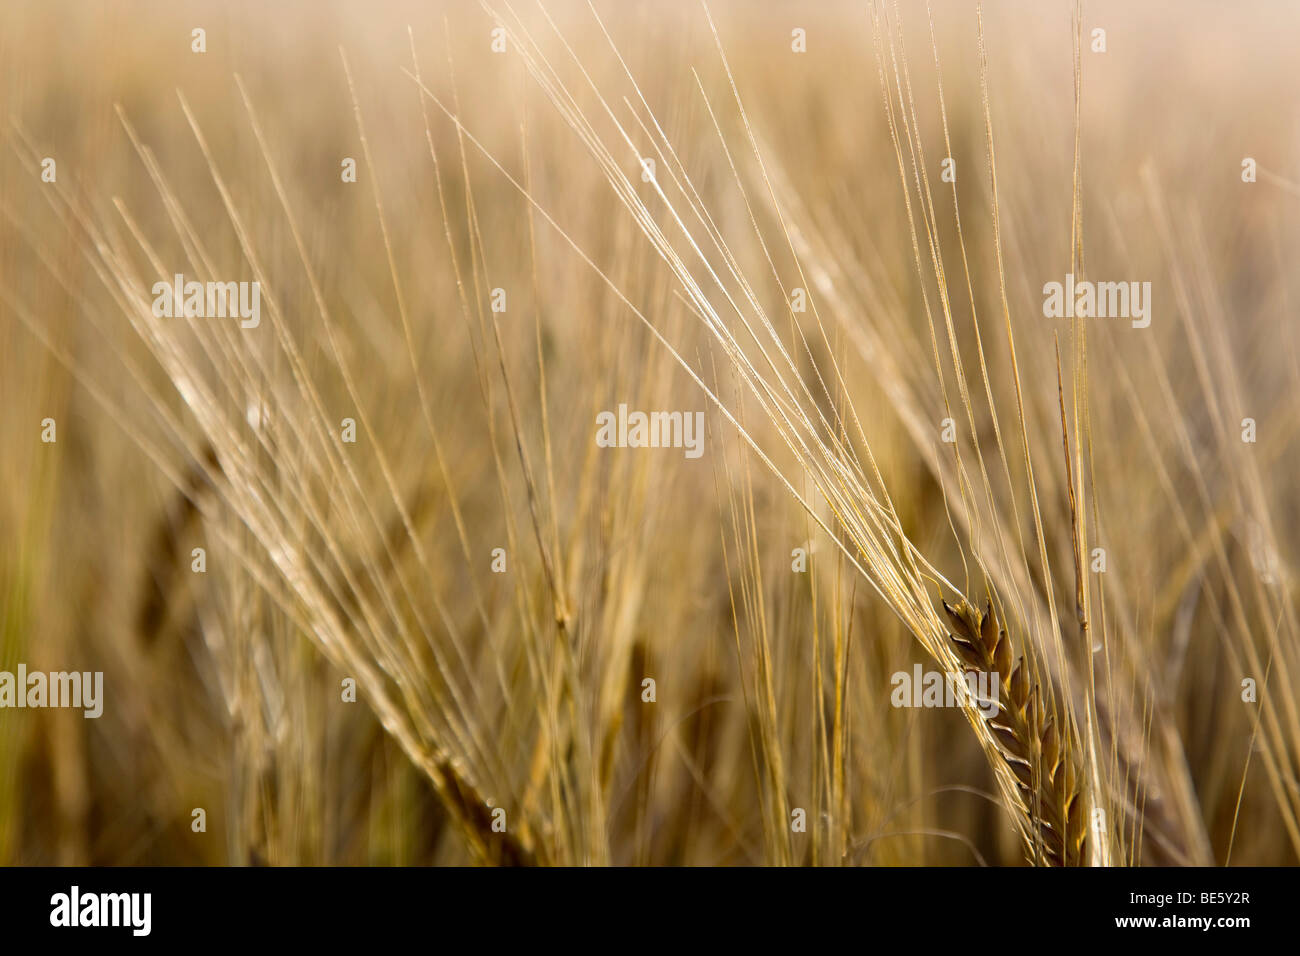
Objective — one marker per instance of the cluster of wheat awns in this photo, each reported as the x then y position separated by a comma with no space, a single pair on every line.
335,542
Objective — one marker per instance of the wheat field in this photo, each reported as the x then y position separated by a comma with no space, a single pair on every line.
649,433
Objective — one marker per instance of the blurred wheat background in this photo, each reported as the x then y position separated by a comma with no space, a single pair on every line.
523,691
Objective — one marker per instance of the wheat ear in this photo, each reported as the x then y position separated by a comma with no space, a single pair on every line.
1043,760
